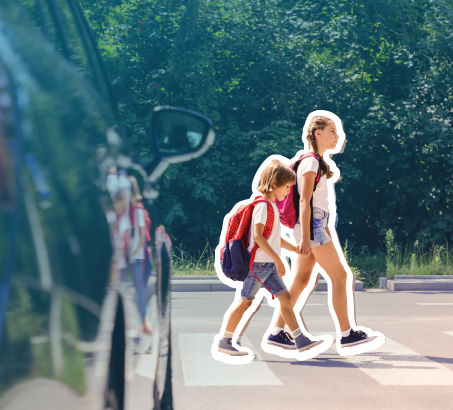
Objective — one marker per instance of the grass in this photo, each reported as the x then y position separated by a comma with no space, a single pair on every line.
185,264
367,266
417,260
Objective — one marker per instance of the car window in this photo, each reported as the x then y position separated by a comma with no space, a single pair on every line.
62,22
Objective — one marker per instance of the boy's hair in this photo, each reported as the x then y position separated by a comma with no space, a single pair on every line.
275,175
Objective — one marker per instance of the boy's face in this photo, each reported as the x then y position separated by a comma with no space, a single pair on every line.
281,192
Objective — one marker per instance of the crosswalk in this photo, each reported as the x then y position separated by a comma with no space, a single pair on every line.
392,364
396,365
201,369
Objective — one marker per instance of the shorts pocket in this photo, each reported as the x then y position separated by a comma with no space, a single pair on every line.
318,213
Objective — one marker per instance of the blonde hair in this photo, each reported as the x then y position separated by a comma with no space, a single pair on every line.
319,123
275,175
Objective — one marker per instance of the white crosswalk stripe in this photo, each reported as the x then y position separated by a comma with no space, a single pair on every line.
391,365
201,369
395,365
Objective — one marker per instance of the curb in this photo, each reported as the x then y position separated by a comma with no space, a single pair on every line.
417,283
214,284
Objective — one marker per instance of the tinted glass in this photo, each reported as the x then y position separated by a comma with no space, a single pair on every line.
178,132
62,22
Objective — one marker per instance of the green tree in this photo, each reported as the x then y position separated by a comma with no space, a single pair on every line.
258,67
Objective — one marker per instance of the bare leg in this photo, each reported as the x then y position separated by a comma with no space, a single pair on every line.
327,257
314,288
304,267
287,311
248,321
353,298
334,232
236,315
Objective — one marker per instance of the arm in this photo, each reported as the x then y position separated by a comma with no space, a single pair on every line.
289,247
306,191
264,245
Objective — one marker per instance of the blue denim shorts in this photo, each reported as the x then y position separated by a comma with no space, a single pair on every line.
268,275
320,220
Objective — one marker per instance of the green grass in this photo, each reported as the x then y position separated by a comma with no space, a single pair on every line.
415,260
367,266
399,260
185,264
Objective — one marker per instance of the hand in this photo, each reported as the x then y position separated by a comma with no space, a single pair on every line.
305,247
280,268
296,250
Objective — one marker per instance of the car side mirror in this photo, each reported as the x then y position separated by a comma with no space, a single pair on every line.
177,135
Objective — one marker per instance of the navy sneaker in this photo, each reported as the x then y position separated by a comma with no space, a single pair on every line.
225,346
282,339
356,338
304,343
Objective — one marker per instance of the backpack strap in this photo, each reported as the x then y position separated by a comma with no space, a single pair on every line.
296,195
266,233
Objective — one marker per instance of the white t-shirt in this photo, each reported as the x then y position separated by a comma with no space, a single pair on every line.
137,245
259,216
320,195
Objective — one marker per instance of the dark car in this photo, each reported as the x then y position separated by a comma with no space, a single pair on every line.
84,292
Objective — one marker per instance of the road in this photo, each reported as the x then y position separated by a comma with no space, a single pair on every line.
412,370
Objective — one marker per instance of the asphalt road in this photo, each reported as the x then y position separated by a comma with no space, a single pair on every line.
412,370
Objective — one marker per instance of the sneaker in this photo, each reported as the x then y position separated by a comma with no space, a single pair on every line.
356,338
282,339
255,356
225,346
304,343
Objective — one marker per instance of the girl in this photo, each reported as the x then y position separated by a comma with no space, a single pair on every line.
321,136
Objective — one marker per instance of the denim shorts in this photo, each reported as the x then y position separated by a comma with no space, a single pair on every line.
320,220
267,273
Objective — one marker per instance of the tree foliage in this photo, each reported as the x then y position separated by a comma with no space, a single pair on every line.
257,68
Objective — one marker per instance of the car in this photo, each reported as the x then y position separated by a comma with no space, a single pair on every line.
84,292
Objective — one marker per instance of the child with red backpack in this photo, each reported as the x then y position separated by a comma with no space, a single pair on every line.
252,254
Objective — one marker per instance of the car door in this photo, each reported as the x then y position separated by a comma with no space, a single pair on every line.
55,288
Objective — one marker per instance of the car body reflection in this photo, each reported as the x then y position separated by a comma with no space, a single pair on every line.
84,289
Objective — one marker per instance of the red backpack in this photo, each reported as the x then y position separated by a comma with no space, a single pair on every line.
234,257
289,207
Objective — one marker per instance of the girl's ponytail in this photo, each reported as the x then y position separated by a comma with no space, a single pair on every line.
318,123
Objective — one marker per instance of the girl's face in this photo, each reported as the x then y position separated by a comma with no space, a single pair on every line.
328,137
281,192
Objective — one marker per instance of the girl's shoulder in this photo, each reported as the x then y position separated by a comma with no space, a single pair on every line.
309,164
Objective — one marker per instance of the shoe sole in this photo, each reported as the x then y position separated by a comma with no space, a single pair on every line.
285,347
229,352
316,343
369,339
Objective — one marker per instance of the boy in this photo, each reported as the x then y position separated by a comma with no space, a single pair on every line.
275,183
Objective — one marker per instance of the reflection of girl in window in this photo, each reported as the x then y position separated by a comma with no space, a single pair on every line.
137,250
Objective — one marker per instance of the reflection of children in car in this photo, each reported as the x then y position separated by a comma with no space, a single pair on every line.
137,250
179,140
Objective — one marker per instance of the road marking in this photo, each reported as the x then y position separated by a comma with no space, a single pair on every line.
201,369
449,333
395,365
435,304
